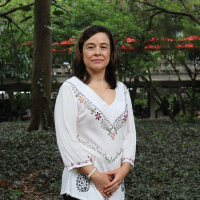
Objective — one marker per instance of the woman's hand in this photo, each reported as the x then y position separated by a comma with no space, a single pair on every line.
119,175
100,180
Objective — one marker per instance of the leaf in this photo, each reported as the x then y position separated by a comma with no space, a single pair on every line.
58,12
26,9
26,19
12,73
57,23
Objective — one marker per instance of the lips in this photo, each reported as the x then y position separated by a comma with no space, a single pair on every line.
97,60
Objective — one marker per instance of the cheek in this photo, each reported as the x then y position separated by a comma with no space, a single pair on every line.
87,56
108,56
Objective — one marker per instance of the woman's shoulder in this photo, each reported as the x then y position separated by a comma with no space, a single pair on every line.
121,86
73,82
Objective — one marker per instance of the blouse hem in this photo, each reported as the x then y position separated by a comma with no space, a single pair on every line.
74,196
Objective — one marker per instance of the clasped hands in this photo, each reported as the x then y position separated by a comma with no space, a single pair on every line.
108,183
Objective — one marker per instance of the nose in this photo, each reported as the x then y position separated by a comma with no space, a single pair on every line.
97,51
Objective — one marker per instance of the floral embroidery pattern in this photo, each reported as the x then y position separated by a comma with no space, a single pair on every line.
81,99
130,159
82,183
98,115
79,163
90,154
113,135
105,123
123,186
125,117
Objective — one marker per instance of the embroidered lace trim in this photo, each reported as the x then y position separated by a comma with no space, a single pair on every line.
79,163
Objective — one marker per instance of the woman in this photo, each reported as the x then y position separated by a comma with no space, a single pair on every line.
94,122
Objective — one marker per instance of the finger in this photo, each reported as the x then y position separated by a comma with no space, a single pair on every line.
110,179
106,196
114,189
111,188
109,194
111,172
115,180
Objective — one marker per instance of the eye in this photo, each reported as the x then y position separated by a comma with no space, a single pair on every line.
104,47
90,47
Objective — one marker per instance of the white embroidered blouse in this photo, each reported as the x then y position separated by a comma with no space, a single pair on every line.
89,131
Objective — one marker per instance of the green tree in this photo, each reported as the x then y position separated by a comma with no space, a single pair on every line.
42,116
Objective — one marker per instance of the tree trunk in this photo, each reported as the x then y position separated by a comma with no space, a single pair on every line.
178,91
42,116
192,101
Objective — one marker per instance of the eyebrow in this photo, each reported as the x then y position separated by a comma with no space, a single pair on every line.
93,44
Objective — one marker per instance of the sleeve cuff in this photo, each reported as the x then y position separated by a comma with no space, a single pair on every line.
80,164
129,160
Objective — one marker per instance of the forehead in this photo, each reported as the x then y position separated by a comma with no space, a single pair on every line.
98,38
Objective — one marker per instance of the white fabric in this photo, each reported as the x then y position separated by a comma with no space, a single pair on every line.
89,131
28,111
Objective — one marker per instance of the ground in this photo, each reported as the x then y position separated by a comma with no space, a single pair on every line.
166,166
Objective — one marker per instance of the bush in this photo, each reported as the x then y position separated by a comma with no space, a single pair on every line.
186,118
166,166
167,162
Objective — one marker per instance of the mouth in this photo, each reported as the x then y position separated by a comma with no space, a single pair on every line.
97,60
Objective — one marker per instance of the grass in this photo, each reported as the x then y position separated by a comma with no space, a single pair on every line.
167,164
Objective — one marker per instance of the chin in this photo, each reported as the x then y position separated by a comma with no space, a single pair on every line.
96,68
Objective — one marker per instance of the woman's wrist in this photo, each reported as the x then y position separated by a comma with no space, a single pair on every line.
125,168
86,170
92,172
95,174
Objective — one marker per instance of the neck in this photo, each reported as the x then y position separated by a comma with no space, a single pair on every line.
98,77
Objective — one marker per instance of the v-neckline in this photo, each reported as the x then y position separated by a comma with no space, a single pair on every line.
98,95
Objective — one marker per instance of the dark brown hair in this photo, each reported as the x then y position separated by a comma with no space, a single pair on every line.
79,66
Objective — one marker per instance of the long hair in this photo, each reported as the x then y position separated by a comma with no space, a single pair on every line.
79,66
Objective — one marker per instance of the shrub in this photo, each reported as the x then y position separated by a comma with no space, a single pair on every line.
166,166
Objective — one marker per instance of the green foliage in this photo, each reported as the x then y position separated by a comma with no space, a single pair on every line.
15,194
32,159
186,118
58,12
143,103
23,99
166,165
196,101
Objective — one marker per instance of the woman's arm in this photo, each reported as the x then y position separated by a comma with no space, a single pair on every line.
66,113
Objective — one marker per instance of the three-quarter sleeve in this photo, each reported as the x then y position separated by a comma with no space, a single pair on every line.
129,141
66,113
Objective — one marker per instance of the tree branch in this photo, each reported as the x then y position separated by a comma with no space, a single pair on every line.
151,19
190,15
188,70
149,83
5,3
10,20
15,9
61,8
184,6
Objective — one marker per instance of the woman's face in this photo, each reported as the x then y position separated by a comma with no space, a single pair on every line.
96,53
